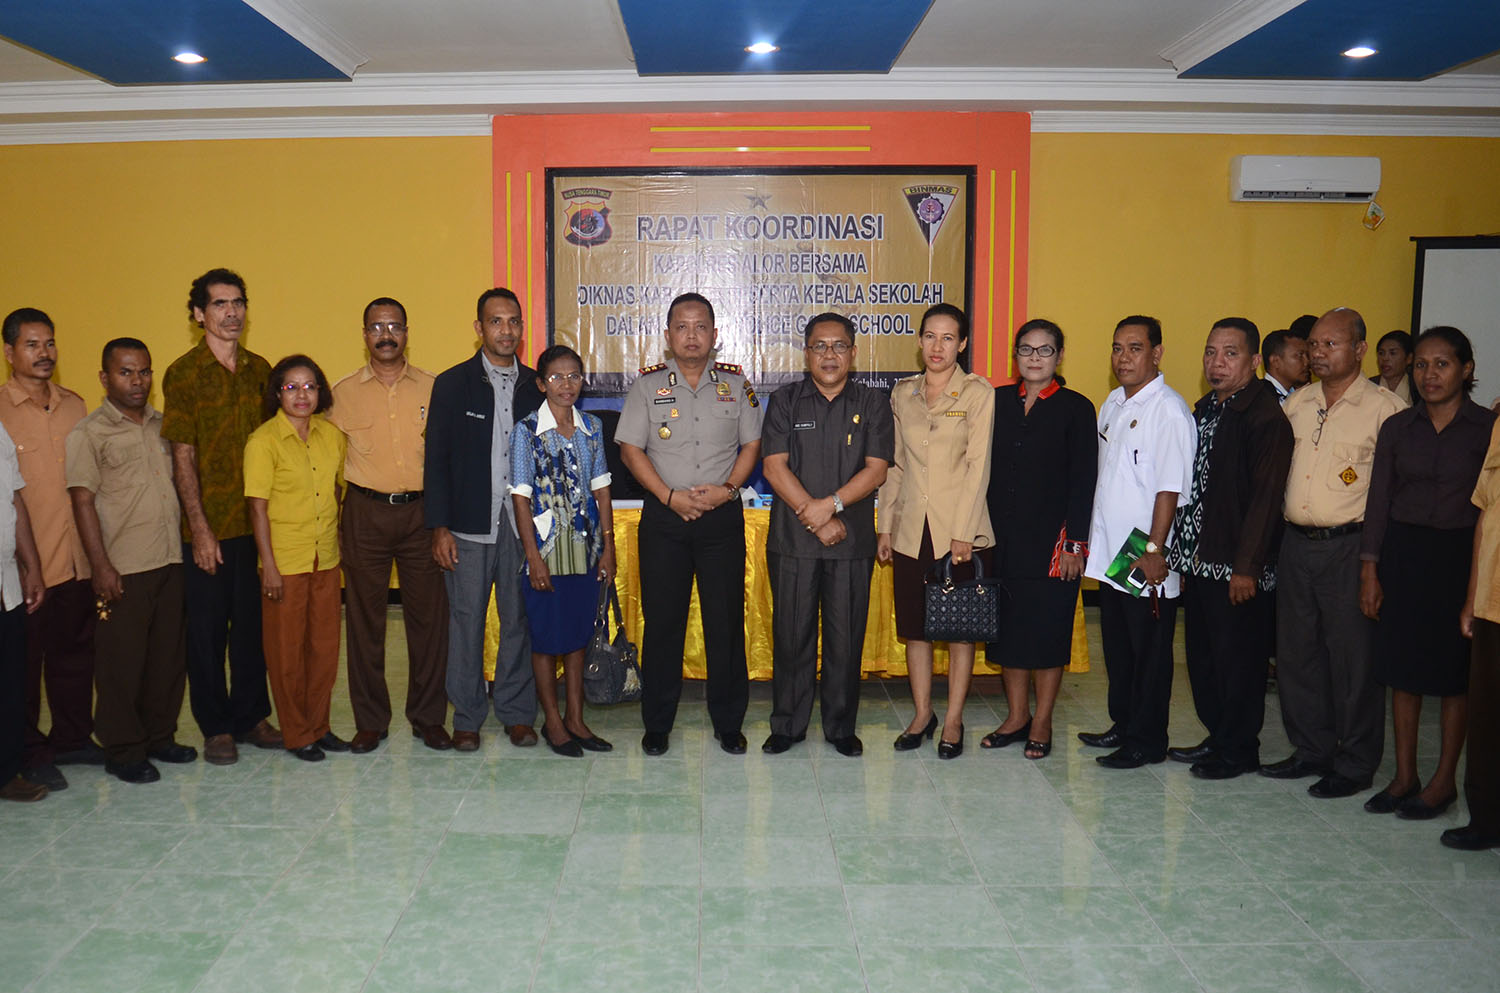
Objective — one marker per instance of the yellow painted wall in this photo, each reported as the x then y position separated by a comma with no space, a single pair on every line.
107,237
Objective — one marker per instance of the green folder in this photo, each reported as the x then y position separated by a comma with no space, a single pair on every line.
1122,571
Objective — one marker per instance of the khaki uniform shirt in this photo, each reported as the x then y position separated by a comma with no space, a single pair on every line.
40,432
1487,561
691,436
385,427
215,410
1332,465
300,482
942,469
128,468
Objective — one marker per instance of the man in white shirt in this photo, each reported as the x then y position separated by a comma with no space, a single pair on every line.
1147,438
21,593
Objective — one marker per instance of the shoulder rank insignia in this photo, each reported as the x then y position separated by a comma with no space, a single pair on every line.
729,367
653,368
750,393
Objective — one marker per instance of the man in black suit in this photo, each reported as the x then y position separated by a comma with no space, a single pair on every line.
474,406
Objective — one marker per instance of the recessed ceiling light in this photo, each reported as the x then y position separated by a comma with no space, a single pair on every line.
188,58
1359,52
762,48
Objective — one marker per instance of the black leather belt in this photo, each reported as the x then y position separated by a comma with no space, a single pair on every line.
1323,534
395,499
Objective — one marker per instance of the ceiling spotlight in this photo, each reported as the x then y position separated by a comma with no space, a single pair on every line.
188,58
1359,52
762,48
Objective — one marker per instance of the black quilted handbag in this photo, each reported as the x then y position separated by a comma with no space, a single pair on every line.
611,670
968,610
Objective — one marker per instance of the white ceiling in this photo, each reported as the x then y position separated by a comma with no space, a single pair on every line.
443,66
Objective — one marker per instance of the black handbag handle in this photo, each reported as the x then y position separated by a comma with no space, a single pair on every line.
942,569
608,597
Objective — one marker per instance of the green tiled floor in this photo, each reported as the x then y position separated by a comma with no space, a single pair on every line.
515,870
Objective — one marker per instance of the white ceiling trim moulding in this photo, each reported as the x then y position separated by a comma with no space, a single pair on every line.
1187,122
1223,30
311,32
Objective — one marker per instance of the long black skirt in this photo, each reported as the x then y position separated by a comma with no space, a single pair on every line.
1424,573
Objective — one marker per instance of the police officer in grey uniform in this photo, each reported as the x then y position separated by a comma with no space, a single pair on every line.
690,434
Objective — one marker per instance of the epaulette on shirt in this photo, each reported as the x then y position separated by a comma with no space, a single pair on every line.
729,367
653,368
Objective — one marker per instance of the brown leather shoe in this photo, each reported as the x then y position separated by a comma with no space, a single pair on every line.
521,735
466,741
364,742
434,736
22,790
219,750
263,735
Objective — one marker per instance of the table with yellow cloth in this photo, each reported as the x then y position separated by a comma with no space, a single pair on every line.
884,654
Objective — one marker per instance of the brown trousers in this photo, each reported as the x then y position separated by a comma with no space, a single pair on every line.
1482,774
301,636
140,666
373,534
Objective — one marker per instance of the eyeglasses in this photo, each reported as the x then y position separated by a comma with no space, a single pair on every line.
390,327
1318,434
1045,351
558,378
294,387
824,347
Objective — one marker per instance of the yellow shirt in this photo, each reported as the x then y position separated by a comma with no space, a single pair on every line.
942,467
1332,460
1487,569
384,426
299,480
40,432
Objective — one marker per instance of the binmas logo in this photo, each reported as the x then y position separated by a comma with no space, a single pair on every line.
930,205
588,216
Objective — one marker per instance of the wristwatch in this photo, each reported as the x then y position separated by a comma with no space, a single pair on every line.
734,491
838,503
1152,548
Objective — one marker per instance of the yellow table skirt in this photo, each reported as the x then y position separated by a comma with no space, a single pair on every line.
884,654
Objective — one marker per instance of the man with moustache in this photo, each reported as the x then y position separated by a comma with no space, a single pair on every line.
1333,709
382,410
213,398
466,503
835,438
690,434
1146,444
1226,540
120,481
1284,358
38,414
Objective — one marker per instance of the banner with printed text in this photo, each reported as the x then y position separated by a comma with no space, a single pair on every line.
770,249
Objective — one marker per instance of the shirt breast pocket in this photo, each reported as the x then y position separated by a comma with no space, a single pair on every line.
361,437
1352,463
667,431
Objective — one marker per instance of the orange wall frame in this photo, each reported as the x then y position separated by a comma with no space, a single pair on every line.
997,146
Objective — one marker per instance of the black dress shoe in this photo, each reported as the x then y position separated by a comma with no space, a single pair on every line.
1103,739
655,742
1126,758
1386,802
88,754
999,739
1415,810
175,754
308,753
569,749
732,742
133,772
331,742
593,743
775,744
1216,768
951,749
849,745
1290,767
1470,838
906,740
1333,786
1199,752
47,775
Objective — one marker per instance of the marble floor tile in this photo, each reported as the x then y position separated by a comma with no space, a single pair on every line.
511,913
451,961
1146,813
401,852
188,901
638,774
634,859
1419,855
776,915
898,860
339,906
1046,854
588,913
760,774
764,813
660,965
731,859
1074,915
1173,860
1323,854
1219,914
516,813
28,949
286,805
165,802
500,858
919,813
1364,911
780,969
21,837
1108,969
291,963
898,968
243,850
62,897
99,845
380,807
872,775
1390,966
134,962
1269,969
631,813
932,916
1474,907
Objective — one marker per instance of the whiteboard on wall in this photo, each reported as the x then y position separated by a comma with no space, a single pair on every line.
1458,284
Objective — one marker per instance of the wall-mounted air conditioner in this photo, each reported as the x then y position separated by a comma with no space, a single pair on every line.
1311,178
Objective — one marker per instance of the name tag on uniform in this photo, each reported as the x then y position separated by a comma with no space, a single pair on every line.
957,413
804,425
665,400
471,413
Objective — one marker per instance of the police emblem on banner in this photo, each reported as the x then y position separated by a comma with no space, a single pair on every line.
587,216
930,205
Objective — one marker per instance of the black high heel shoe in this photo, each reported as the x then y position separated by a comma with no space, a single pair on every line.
951,749
906,741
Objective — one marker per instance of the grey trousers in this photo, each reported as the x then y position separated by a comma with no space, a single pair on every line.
801,590
1333,709
513,694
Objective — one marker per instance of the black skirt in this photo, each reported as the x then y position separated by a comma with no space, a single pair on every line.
1036,624
1424,574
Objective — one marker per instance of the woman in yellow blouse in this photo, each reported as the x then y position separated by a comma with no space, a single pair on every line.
934,499
294,469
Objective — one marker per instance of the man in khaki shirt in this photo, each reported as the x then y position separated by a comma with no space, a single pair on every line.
382,409
120,481
59,636
1322,638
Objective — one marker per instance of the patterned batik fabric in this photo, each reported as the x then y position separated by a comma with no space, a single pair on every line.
560,470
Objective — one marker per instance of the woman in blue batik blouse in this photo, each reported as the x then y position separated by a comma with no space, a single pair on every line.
560,486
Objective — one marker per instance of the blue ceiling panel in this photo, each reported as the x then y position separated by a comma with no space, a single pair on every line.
133,41
708,37
1414,39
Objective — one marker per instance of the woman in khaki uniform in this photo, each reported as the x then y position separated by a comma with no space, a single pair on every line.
934,499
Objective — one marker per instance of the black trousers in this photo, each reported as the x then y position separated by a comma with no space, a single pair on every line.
139,667
223,615
60,652
12,690
801,590
1482,773
1138,660
1226,663
672,553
